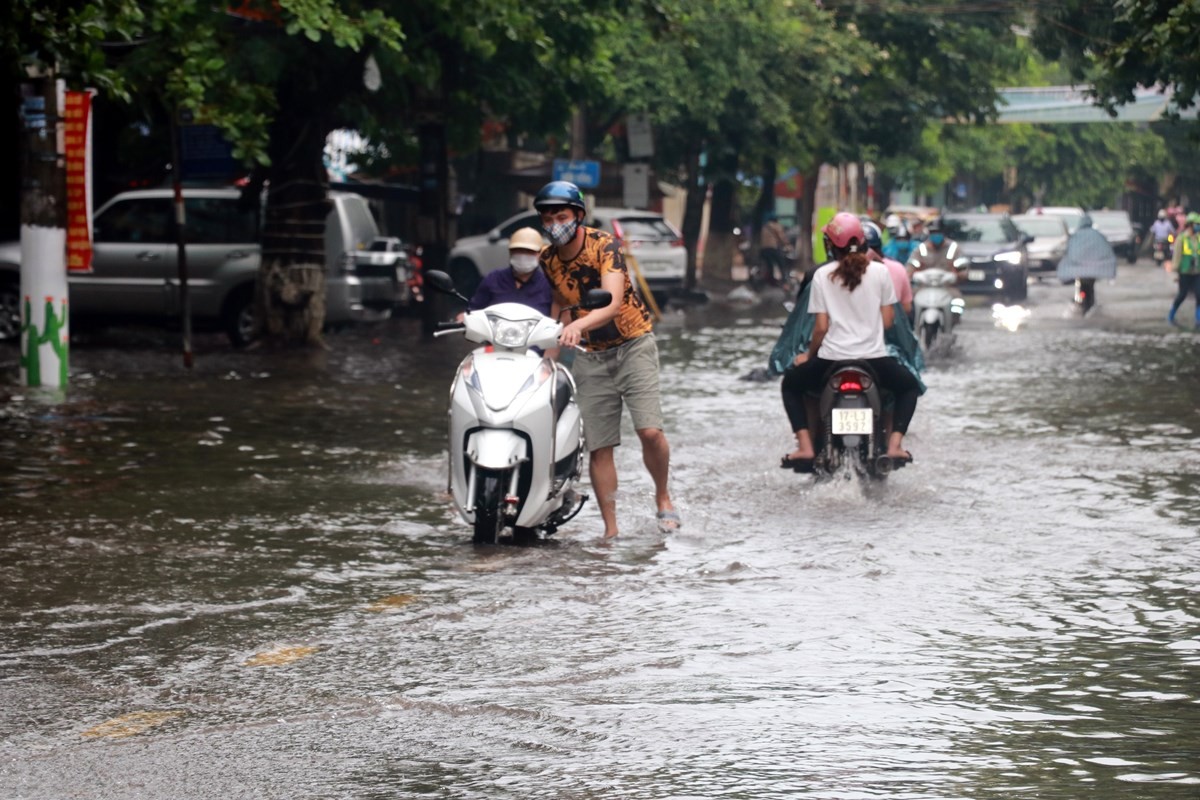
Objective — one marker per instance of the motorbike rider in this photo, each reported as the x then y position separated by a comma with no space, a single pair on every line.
899,274
620,365
851,302
1161,230
937,250
900,243
1089,258
522,282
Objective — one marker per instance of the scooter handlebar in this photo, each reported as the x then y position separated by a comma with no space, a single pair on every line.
443,328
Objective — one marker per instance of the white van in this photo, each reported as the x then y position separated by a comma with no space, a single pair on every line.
135,268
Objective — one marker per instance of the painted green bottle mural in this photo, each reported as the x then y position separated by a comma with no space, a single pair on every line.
31,359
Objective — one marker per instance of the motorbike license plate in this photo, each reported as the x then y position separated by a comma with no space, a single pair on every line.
976,274
852,421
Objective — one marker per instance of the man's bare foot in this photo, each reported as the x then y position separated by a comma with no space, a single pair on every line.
610,534
800,455
903,455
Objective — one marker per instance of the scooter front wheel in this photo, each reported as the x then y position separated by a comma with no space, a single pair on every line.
929,333
489,506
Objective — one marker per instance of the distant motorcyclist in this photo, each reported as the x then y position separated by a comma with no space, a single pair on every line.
1161,231
900,243
904,292
1089,258
937,251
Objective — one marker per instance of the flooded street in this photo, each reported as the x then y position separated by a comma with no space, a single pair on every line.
248,581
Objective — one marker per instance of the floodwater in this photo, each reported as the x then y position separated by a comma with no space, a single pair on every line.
248,581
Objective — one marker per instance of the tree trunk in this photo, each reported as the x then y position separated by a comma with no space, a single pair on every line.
291,285
806,212
693,214
721,245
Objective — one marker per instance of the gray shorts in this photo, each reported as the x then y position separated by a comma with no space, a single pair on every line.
610,379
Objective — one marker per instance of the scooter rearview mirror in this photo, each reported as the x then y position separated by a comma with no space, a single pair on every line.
443,283
440,281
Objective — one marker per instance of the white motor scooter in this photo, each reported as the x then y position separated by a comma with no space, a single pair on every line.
516,437
936,306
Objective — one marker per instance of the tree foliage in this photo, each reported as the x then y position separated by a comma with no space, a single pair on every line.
1118,45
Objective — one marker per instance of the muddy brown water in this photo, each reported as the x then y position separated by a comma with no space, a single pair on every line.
247,581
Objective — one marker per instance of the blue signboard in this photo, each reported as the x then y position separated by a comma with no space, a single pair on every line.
584,174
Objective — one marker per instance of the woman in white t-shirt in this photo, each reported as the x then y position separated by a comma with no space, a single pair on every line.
851,302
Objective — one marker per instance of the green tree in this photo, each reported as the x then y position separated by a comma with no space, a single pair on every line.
734,83
926,67
1116,46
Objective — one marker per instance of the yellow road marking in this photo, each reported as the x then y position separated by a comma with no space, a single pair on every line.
279,656
131,724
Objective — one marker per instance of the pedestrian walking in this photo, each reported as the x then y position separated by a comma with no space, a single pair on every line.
1186,264
773,251
620,365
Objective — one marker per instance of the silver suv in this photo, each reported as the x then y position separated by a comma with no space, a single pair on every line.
135,271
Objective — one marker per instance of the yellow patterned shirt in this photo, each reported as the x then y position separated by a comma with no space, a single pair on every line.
570,280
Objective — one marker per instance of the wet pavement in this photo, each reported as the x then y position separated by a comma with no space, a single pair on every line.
247,580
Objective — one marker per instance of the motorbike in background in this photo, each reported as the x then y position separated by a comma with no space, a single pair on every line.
1085,294
516,437
937,304
1162,249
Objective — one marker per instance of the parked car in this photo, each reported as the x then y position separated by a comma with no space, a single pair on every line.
647,235
1049,242
1072,215
1118,230
993,257
653,242
135,271
472,257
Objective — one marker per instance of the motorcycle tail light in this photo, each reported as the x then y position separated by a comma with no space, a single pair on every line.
852,382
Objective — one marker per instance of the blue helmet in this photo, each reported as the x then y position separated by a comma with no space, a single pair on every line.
874,237
559,193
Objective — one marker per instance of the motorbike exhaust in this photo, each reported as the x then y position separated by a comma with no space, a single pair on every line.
883,464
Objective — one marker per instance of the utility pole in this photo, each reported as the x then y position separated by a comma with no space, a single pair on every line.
44,332
185,303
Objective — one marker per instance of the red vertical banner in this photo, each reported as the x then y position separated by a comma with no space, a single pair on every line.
77,150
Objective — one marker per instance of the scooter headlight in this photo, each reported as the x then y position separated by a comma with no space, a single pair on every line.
510,333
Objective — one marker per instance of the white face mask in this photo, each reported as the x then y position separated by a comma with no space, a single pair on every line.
523,263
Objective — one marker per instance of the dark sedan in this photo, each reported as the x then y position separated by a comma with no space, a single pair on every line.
991,256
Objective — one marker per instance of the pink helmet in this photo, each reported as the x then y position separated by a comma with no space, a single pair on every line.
845,229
